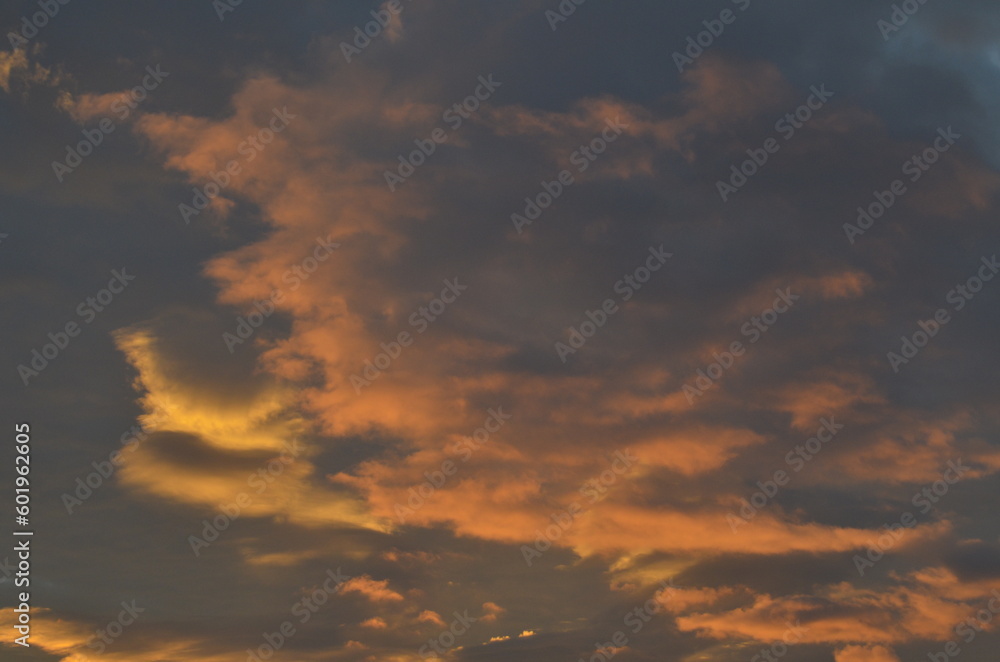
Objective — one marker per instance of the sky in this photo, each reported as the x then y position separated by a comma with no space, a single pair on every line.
514,330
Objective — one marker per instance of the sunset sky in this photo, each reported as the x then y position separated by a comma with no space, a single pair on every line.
520,330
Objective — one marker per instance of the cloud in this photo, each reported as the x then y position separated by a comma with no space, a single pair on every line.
865,654
370,449
680,600
19,67
374,590
491,612
206,445
924,606
354,306
72,640
432,617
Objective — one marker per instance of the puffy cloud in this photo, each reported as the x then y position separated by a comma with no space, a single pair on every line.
432,617
374,590
491,612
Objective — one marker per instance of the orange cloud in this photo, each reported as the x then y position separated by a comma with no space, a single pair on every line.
374,623
491,611
911,610
374,590
428,616
865,654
